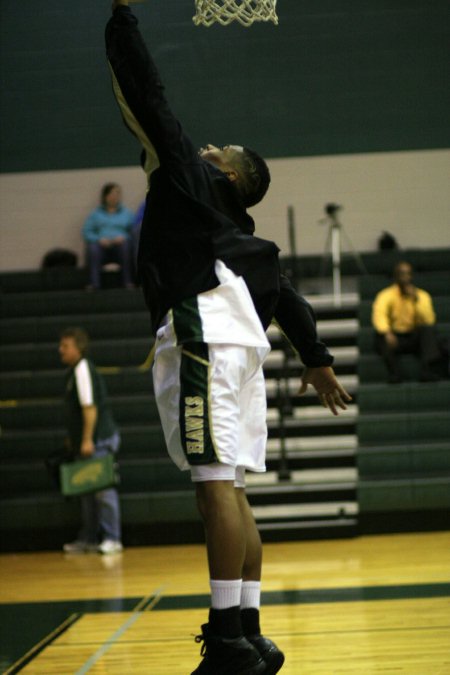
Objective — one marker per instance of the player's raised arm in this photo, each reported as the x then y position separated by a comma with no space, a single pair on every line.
140,92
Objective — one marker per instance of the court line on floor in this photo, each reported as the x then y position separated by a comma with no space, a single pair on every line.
305,596
178,602
144,605
293,634
42,644
313,596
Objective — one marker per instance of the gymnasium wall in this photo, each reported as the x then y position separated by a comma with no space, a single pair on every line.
348,99
404,193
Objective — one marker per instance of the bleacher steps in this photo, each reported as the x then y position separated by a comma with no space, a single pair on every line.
321,447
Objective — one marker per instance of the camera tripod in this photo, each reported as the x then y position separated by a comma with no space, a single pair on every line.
333,245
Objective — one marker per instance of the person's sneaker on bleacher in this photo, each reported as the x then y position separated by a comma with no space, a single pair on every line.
80,547
225,656
273,657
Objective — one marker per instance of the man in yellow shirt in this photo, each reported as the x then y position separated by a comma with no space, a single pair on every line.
404,321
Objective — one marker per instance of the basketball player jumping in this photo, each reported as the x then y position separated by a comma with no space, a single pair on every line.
212,289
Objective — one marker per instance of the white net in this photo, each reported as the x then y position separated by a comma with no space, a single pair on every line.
226,11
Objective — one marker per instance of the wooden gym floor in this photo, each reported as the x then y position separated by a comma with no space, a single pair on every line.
377,604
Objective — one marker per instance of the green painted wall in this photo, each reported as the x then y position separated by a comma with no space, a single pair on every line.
336,76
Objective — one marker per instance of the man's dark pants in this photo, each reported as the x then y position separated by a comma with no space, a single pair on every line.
422,342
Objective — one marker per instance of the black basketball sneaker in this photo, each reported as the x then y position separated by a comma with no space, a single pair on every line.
273,657
224,656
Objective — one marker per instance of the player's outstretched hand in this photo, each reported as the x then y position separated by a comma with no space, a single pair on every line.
331,394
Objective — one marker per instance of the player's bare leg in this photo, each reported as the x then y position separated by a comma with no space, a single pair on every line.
226,651
251,590
225,534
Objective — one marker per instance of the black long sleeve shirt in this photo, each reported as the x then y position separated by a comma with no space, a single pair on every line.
193,213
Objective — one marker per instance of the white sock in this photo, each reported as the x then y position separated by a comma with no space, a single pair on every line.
225,594
251,595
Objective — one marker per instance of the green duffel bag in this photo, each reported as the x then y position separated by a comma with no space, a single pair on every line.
88,475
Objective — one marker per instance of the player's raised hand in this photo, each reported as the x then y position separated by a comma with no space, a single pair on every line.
331,393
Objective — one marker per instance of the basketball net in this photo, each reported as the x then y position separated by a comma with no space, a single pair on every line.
226,11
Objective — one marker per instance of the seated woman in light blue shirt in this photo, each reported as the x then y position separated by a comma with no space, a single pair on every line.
107,232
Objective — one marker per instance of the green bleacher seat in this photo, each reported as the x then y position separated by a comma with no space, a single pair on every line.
49,384
71,302
405,459
106,353
372,369
48,328
54,279
29,513
366,336
407,427
406,494
51,279
408,396
376,263
136,475
47,413
23,445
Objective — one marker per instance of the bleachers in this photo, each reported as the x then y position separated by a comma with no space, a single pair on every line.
366,336
153,493
376,262
403,430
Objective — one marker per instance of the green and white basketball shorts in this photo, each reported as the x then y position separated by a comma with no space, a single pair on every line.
212,404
